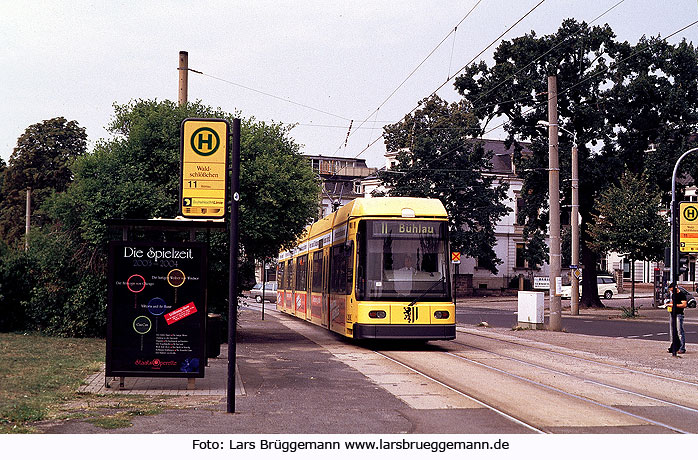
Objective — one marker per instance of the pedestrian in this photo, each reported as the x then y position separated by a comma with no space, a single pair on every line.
676,305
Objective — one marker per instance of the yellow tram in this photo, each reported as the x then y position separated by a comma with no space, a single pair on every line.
376,268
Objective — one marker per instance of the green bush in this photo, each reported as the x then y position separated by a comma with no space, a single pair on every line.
67,298
15,286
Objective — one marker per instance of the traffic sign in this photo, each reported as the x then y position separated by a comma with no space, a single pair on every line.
204,167
575,270
455,257
688,226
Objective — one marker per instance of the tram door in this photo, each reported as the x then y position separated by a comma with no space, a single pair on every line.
326,286
290,306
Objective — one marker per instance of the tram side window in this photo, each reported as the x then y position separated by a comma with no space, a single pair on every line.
342,259
338,269
289,275
280,276
349,252
316,280
302,273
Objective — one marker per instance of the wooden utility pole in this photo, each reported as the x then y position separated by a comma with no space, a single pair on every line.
183,76
28,218
555,322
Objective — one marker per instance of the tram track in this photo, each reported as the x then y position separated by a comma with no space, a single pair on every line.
471,398
579,358
539,389
588,380
582,398
531,373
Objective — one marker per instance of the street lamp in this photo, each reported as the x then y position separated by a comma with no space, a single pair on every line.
574,298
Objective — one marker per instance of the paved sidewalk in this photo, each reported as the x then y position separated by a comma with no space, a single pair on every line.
214,383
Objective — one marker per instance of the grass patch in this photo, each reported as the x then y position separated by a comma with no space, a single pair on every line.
131,407
39,378
111,422
38,373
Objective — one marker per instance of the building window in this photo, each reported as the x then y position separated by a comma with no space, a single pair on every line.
521,261
520,255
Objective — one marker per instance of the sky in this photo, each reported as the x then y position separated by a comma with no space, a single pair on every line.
315,64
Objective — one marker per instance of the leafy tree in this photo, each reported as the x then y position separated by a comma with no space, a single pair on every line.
618,99
535,251
278,187
41,160
437,159
628,222
136,175
58,286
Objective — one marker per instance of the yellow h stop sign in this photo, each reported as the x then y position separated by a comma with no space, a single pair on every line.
204,160
688,226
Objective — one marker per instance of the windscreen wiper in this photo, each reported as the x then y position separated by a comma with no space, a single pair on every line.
427,291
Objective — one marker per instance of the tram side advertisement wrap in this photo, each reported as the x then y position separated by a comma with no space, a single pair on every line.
156,312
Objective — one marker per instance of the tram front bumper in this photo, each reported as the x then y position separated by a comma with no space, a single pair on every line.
405,331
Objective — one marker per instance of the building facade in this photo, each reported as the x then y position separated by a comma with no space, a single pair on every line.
340,179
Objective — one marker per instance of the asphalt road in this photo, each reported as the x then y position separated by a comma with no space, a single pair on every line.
652,324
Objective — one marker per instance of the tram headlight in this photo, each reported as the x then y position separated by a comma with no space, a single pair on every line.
376,314
441,314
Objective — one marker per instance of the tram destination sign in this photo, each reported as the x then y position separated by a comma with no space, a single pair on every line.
156,310
204,167
406,229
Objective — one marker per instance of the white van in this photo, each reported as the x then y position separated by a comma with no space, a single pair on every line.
605,284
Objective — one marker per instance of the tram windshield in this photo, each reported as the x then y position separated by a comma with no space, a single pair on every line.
402,260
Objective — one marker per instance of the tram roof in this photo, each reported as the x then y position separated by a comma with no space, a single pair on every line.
392,207
388,207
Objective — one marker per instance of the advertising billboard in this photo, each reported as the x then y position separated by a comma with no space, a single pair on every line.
156,310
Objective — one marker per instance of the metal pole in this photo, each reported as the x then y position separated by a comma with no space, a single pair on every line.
674,246
233,280
574,302
183,77
455,286
675,221
555,323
